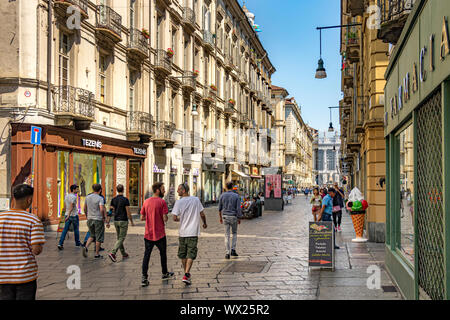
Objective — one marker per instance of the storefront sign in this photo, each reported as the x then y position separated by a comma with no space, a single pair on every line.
195,172
186,172
92,143
173,170
255,171
416,72
321,246
140,151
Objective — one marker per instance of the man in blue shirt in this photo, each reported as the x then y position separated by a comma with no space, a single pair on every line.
326,213
230,213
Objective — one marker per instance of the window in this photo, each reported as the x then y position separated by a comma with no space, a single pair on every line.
406,143
331,160
159,104
102,67
172,106
64,64
132,13
159,32
319,160
132,82
173,45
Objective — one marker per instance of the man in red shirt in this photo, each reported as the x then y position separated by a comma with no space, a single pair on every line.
154,212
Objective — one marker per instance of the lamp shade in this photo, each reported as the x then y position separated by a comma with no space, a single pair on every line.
194,110
320,72
331,129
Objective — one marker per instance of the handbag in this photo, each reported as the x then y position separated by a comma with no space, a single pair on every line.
336,208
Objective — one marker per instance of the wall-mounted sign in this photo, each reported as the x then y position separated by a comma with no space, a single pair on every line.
140,151
255,171
156,169
92,143
186,171
195,172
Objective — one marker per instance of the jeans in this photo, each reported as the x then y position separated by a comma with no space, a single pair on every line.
23,291
88,234
230,222
337,218
76,224
161,244
121,230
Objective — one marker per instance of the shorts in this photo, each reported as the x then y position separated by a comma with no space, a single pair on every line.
314,209
97,230
187,248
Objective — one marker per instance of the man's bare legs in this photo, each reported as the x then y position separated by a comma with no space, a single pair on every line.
187,264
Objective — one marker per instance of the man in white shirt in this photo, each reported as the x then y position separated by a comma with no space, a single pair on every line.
188,211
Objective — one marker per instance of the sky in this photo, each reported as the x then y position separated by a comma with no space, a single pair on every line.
292,42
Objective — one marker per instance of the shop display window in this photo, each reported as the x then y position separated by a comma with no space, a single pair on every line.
87,172
134,183
407,231
63,179
109,180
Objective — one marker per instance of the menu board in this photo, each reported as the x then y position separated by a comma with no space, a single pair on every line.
277,186
321,247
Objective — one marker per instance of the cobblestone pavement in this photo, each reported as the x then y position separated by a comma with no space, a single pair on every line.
277,243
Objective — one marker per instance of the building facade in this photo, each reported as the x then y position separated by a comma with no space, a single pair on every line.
326,151
299,146
132,92
364,61
417,111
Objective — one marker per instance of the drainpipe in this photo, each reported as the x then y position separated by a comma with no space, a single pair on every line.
49,54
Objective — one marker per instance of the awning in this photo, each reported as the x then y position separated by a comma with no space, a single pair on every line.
256,177
243,175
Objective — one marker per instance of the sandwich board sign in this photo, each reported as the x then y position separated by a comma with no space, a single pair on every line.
321,244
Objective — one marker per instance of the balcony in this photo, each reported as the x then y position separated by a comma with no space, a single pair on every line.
208,40
359,128
259,95
394,14
230,108
353,144
62,5
138,45
209,96
189,82
355,7
243,119
188,18
73,107
348,75
243,78
163,137
352,47
109,23
163,63
229,65
139,126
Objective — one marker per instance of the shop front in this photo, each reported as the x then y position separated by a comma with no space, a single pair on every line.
213,173
417,114
240,179
68,157
257,182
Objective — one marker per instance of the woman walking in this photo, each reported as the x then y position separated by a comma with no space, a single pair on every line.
316,201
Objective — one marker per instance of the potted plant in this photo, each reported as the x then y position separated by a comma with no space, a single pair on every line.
170,52
145,33
196,73
213,87
232,102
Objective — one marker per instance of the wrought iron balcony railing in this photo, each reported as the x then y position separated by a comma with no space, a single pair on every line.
81,4
140,122
108,19
163,62
164,130
394,14
189,80
208,38
138,42
75,102
189,16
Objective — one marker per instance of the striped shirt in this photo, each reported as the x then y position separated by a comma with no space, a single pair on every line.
19,230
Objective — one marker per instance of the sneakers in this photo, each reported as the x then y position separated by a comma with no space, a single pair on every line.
112,257
144,282
339,229
101,249
84,251
60,247
227,256
234,254
125,256
98,256
187,278
167,276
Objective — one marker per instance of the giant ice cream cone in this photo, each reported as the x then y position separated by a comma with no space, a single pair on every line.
358,224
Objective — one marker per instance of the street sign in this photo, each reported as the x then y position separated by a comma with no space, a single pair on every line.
36,133
321,244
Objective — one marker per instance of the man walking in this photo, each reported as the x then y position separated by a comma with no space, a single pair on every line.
21,240
230,214
326,212
154,212
120,207
94,208
70,205
188,211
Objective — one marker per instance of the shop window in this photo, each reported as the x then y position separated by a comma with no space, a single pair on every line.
134,186
87,172
121,174
109,180
406,193
63,179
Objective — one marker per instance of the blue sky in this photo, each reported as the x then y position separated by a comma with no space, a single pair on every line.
290,37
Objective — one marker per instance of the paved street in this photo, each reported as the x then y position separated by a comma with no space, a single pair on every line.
273,253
